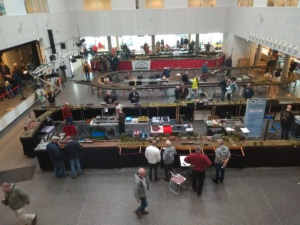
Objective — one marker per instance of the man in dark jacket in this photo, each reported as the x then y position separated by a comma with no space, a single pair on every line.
109,98
57,158
223,85
72,151
133,96
166,72
286,120
16,199
249,92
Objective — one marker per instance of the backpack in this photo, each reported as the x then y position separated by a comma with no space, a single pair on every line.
285,116
86,68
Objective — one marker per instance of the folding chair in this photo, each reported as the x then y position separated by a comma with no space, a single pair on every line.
178,180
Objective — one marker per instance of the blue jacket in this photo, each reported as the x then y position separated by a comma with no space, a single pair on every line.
55,153
73,150
204,69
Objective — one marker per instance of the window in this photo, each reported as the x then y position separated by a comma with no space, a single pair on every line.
202,3
245,3
36,6
283,3
92,5
154,4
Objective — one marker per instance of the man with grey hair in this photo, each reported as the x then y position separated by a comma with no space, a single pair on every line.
109,98
153,157
140,188
16,199
168,157
121,119
222,157
199,163
133,96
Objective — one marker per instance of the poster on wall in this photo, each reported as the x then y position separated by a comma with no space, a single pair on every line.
2,8
141,64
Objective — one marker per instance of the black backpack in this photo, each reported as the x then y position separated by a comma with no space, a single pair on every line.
285,116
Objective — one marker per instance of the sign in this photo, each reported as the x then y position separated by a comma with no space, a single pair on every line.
254,116
40,94
141,64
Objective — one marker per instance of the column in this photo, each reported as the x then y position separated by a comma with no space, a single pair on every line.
117,42
109,43
258,53
190,37
197,44
286,66
153,43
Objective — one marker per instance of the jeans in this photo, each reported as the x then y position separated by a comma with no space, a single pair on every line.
10,93
75,163
144,204
69,121
24,217
87,75
198,180
229,97
168,168
285,132
59,169
223,92
219,170
151,167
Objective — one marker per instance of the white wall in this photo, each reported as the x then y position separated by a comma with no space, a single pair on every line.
260,3
122,4
57,6
74,5
170,4
14,7
226,3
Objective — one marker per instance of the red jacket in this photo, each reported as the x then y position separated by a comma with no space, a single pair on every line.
198,160
66,112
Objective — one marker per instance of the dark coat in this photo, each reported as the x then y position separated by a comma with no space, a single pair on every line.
132,96
55,153
73,150
249,92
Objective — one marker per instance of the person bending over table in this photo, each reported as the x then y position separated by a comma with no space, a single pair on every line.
121,119
109,98
133,96
183,91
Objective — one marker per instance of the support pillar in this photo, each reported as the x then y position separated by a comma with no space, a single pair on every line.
190,37
197,45
286,66
153,43
258,53
109,43
117,42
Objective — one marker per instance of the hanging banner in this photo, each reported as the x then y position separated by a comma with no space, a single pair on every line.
141,64
254,116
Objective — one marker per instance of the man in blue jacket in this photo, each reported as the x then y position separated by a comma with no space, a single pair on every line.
57,158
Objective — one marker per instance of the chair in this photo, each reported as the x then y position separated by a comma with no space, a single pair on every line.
178,180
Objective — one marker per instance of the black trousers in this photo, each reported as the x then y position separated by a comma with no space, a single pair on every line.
122,128
198,180
168,168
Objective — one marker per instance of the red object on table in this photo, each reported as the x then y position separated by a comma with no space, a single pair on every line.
70,130
167,129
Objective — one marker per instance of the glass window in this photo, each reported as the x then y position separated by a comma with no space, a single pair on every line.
245,3
90,5
194,3
202,3
29,6
104,4
154,4
36,6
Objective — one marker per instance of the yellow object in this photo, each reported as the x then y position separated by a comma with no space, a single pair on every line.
195,84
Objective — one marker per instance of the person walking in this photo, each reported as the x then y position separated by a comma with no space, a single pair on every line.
56,157
199,162
72,151
140,188
153,157
86,69
16,199
168,157
222,157
286,120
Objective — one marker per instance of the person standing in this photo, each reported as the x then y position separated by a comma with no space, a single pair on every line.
177,94
185,78
204,69
50,96
67,114
222,84
109,98
168,157
207,47
16,199
73,150
86,70
286,120
199,162
228,62
229,89
133,96
166,72
183,92
222,157
153,157
140,188
121,119
56,157
249,92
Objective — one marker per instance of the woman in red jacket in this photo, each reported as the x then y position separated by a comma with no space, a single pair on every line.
67,114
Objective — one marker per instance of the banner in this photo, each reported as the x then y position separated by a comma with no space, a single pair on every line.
40,94
254,117
141,64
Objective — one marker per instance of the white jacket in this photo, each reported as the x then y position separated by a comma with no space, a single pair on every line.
152,154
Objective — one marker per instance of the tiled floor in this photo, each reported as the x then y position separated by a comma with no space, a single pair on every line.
265,196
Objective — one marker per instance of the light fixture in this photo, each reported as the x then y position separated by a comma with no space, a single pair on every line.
289,47
279,44
275,44
295,49
284,45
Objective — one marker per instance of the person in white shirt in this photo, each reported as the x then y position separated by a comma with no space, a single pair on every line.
153,157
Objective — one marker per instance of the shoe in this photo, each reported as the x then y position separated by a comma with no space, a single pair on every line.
145,212
139,215
165,179
157,179
34,220
80,173
65,176
74,177
214,180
